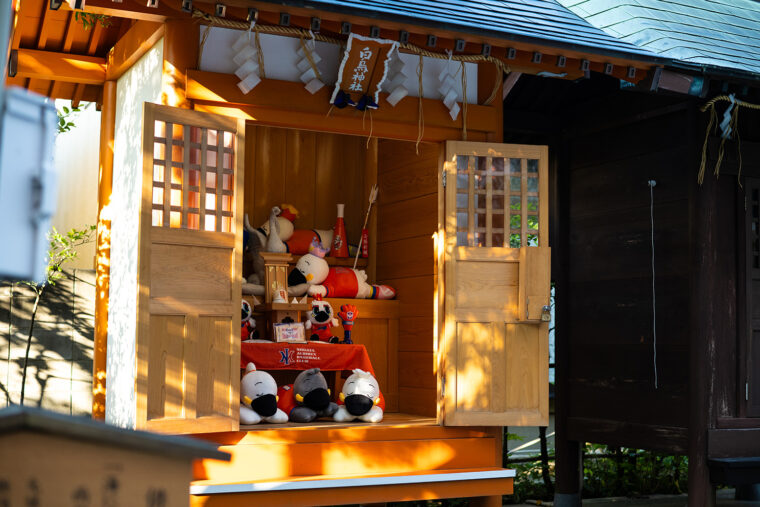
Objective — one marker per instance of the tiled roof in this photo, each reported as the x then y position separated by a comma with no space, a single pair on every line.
536,20
720,33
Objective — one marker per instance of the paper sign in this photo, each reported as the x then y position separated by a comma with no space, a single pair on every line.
362,71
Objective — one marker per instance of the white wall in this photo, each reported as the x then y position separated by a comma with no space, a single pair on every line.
76,160
280,59
140,84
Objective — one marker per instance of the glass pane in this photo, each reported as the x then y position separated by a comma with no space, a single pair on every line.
480,201
226,182
158,218
480,180
480,239
210,158
497,165
211,202
177,153
532,203
159,128
515,202
226,203
193,221
498,239
532,184
497,202
532,165
462,201
515,222
158,196
195,156
211,181
515,184
177,131
532,240
195,134
226,224
176,197
461,239
515,165
195,177
227,160
533,222
514,241
177,175
497,221
497,182
193,200
159,150
175,219
210,223
480,220
211,139
158,173
462,163
228,139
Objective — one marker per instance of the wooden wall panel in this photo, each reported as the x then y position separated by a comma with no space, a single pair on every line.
407,218
313,171
608,296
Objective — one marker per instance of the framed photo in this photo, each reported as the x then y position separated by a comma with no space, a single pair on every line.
293,332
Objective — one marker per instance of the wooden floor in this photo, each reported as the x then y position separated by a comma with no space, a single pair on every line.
393,419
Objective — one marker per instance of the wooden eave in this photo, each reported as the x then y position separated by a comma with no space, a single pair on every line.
56,56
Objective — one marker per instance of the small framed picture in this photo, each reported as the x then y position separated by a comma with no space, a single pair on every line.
292,332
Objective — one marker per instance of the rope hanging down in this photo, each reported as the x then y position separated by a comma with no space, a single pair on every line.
301,32
652,184
730,126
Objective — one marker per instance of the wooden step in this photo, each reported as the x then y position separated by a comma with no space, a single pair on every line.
353,489
397,446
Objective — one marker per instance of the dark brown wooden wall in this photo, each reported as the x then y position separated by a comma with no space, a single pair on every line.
407,218
615,146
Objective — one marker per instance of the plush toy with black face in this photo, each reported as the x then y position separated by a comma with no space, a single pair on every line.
361,398
312,397
320,321
258,398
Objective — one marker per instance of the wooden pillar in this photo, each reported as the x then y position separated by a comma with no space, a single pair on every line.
497,500
181,39
569,453
103,250
707,319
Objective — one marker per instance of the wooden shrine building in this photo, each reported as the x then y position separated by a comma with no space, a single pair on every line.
501,130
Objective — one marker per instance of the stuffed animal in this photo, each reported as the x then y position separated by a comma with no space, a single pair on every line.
313,276
308,398
348,314
259,240
258,398
320,320
361,398
248,329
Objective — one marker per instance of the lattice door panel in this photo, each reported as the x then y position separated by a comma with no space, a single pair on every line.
498,200
192,177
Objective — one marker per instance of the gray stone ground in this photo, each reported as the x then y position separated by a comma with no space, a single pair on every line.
59,376
725,498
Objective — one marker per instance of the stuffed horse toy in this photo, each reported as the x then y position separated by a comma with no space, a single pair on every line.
313,276
308,398
258,398
361,399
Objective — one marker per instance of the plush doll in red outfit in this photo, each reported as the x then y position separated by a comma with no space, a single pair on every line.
321,320
313,276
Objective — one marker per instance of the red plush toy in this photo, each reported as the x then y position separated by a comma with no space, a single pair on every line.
347,314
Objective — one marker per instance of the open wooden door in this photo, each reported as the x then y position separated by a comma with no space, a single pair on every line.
494,286
188,335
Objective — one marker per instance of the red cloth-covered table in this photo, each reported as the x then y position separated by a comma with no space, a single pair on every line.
302,356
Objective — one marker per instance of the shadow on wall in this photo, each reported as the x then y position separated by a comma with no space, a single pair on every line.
59,374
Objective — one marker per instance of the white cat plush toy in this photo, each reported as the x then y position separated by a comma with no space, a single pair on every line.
361,399
258,398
